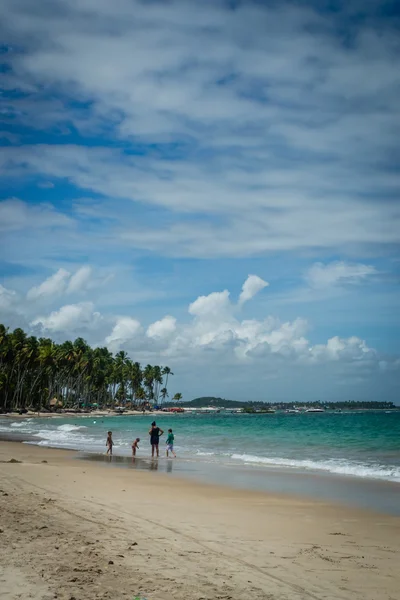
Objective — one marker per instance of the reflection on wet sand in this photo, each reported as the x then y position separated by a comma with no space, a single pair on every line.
143,464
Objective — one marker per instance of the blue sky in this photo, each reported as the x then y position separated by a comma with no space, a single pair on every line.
213,186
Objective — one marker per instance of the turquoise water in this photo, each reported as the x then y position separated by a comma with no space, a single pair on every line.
362,445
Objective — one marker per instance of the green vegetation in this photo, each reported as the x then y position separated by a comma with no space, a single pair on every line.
253,406
38,373
250,410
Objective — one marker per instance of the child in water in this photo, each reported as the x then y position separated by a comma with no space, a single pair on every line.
109,443
170,443
135,446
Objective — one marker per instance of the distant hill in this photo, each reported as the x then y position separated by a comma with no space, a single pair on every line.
212,401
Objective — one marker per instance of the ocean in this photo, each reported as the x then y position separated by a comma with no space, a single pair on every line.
358,444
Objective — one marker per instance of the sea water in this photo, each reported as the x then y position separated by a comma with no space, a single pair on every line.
358,444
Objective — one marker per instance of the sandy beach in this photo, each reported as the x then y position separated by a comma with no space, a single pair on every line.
83,530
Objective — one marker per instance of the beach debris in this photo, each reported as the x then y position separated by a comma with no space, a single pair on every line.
14,460
44,461
110,562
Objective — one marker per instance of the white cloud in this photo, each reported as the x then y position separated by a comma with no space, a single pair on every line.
215,328
71,317
216,340
271,116
255,146
251,287
8,299
125,331
352,349
211,306
18,215
163,328
63,282
79,280
338,273
55,285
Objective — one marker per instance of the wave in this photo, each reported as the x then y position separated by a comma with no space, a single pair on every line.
67,427
64,439
338,467
67,436
16,424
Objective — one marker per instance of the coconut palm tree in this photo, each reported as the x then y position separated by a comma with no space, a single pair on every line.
163,394
34,372
166,371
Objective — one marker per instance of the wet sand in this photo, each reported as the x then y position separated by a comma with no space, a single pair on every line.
74,529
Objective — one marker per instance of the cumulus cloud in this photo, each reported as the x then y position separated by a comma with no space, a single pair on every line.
351,349
71,317
215,337
251,287
322,275
215,328
54,285
79,280
211,306
162,328
124,332
63,282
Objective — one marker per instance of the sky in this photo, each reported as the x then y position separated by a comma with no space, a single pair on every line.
212,186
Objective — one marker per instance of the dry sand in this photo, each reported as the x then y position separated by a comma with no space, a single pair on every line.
71,529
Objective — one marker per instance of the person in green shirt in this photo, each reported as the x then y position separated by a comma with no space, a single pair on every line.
170,443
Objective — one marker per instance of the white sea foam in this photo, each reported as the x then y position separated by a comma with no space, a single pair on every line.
64,439
16,424
339,467
68,427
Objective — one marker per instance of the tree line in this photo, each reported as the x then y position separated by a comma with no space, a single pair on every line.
38,373
345,404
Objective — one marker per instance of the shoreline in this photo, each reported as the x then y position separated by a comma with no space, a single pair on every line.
94,413
79,529
378,496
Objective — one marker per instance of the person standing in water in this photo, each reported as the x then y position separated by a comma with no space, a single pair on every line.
170,443
135,446
155,433
109,443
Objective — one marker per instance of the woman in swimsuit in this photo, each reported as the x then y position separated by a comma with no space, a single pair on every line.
155,433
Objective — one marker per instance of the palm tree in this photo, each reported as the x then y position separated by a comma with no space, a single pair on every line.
166,371
163,394
148,380
34,371
177,397
157,381
135,377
